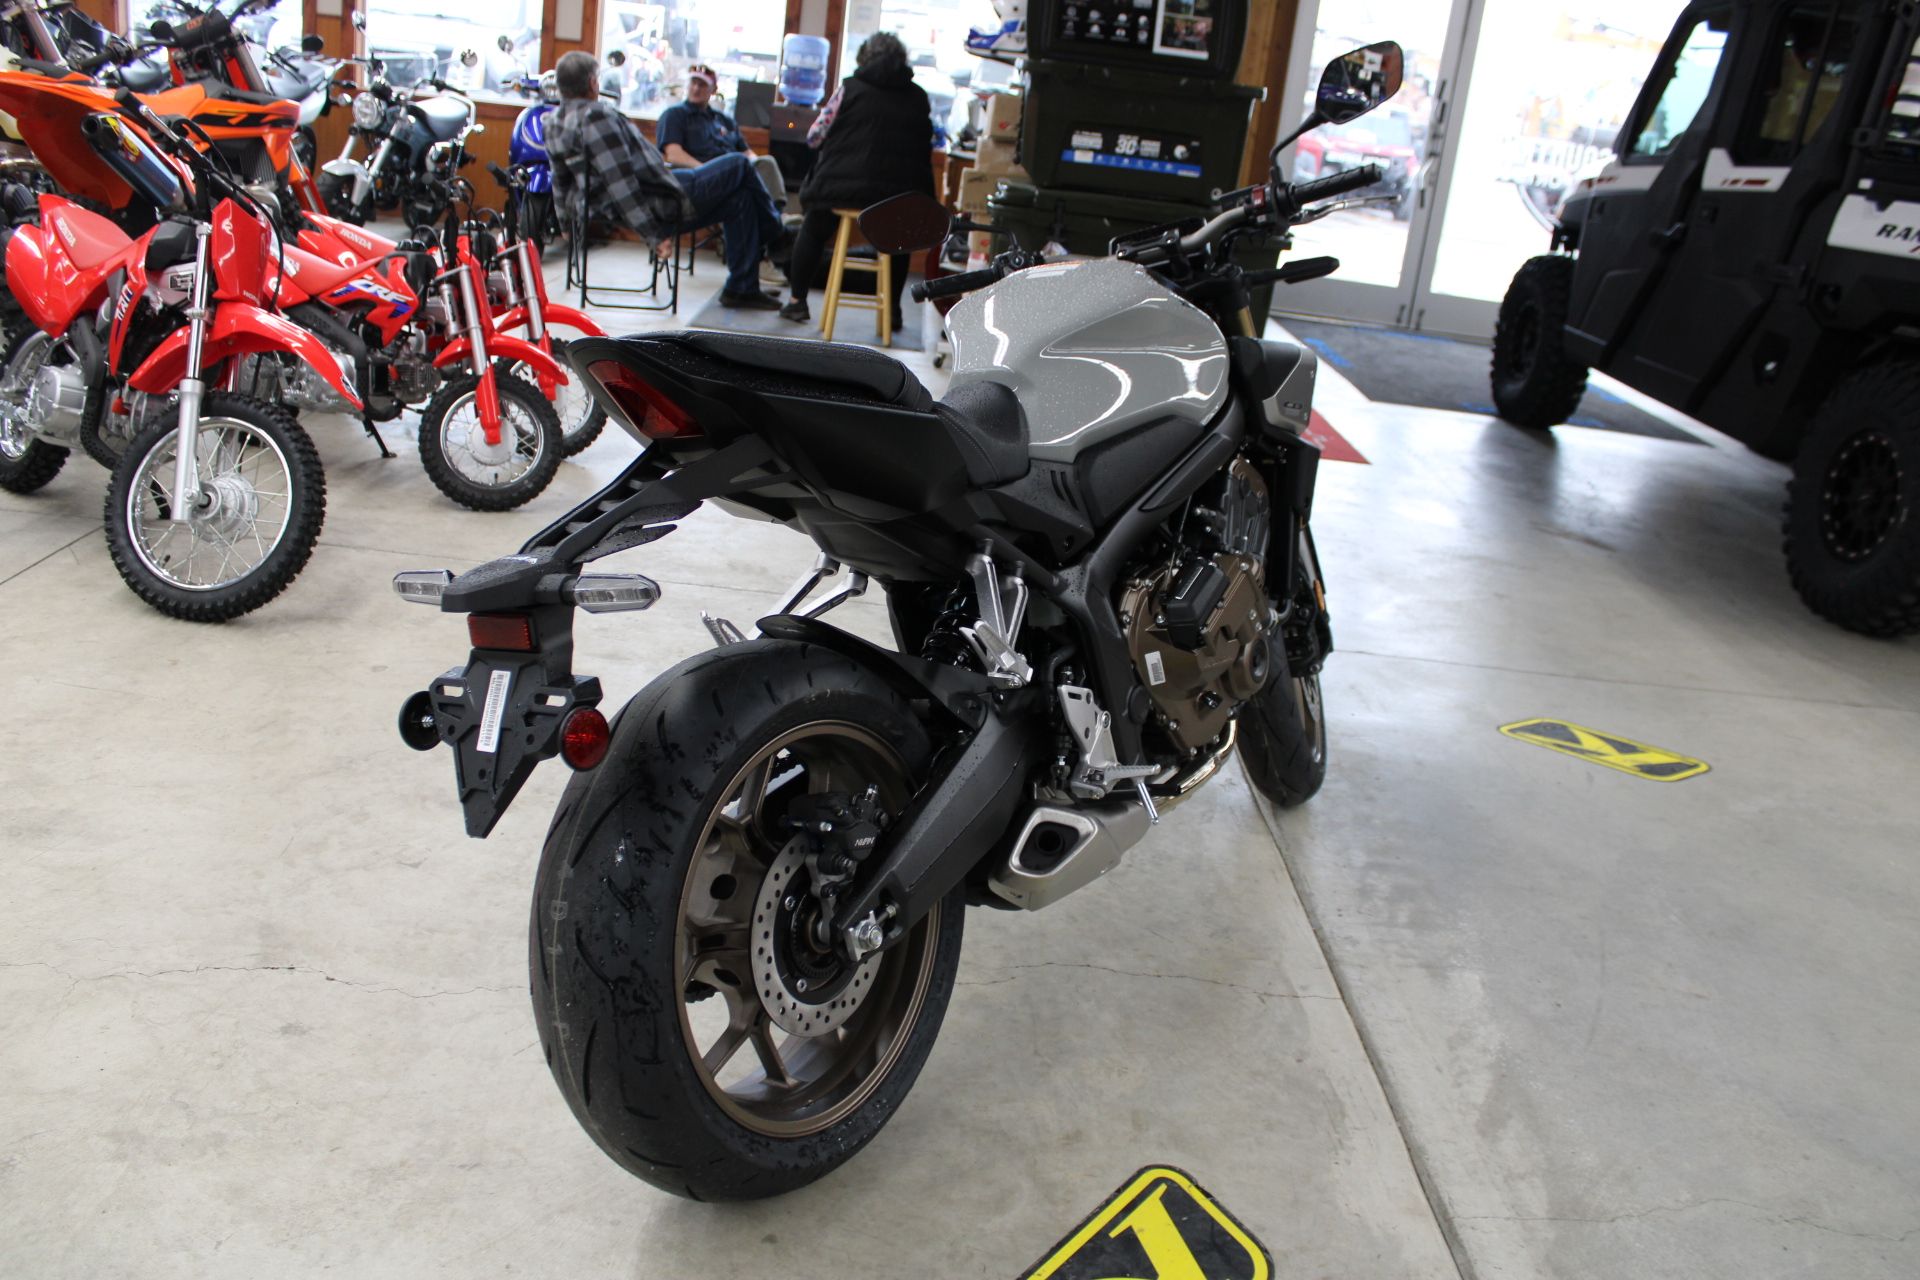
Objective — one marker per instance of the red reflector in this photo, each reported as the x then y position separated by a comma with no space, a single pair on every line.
501,631
584,738
651,411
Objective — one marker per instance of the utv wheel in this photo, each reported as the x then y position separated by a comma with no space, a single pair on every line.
1853,504
266,499
489,477
1535,382
669,941
1283,738
26,463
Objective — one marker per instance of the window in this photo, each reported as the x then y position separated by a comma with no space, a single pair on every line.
935,33
421,39
1683,88
1799,82
1901,132
645,49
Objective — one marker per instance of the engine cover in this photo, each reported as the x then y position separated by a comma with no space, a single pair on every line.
1200,631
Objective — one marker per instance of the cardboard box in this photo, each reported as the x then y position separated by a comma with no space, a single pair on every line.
975,187
1000,159
980,250
1003,119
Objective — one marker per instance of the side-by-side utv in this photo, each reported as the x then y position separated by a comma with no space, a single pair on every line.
1751,256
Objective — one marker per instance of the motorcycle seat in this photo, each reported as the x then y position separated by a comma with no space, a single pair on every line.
444,117
226,92
857,366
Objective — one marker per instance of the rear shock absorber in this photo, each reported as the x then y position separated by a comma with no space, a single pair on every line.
944,643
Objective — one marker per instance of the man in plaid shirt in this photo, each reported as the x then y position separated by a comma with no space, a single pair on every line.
590,143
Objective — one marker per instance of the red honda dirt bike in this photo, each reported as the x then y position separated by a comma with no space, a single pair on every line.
516,284
214,507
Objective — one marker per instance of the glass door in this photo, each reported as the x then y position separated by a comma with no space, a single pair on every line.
1544,84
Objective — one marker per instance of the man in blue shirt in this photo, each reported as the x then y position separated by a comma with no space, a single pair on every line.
691,133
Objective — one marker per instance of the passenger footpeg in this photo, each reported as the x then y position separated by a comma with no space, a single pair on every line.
1003,607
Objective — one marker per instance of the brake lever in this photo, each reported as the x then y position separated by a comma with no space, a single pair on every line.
1319,211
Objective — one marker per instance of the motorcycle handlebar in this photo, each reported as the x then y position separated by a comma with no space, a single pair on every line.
1337,184
954,285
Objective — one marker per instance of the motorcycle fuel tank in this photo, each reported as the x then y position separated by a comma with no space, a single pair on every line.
1092,349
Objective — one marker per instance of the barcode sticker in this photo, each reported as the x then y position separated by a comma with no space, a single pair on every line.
1156,669
497,685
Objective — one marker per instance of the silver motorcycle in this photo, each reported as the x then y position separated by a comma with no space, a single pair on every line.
1098,562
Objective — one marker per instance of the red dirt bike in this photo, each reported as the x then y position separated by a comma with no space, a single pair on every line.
214,507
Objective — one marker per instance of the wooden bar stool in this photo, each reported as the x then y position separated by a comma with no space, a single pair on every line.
882,269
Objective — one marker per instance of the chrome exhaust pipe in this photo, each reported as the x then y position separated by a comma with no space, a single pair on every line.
1061,849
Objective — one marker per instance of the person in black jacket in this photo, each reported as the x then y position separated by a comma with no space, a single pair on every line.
876,140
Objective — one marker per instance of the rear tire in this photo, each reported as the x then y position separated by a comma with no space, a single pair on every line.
26,462
581,417
1852,520
1535,382
647,862
454,452
255,458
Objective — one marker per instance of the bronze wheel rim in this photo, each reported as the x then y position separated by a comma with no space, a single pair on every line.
774,1084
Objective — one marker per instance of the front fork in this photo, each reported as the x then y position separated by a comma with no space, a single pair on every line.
193,388
535,287
487,394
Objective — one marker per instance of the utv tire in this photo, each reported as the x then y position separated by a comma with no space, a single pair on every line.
1283,738
26,463
1853,505
639,857
1535,382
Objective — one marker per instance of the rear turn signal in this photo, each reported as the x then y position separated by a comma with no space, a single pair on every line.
512,631
584,738
651,412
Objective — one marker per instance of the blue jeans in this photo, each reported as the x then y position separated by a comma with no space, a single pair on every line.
726,191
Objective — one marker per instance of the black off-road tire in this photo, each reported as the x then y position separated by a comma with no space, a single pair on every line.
470,493
606,905
1284,750
39,462
1535,382
282,565
1852,520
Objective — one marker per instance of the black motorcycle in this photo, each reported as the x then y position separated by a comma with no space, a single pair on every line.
1101,578
416,147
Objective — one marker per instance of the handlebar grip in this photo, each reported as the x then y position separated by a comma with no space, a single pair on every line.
1337,184
954,285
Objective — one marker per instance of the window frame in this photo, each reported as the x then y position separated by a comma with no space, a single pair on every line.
1747,146
1656,86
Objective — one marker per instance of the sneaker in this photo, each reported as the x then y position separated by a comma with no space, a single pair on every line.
758,300
796,311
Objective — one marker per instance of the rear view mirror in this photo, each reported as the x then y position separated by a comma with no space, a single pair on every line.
905,223
1356,83
312,44
359,20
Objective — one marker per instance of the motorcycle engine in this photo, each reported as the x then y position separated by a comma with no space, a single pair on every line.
1199,626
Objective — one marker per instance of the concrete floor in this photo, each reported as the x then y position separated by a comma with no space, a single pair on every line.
263,1011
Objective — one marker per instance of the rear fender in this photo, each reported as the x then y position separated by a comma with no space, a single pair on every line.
240,329
513,350
958,693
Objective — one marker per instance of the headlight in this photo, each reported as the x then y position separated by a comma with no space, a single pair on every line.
368,111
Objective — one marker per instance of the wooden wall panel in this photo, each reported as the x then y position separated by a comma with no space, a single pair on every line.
1263,61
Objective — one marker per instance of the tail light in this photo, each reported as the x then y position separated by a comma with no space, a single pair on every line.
510,631
651,411
584,738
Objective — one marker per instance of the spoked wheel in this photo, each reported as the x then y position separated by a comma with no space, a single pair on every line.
708,1035
483,475
262,501
26,462
581,417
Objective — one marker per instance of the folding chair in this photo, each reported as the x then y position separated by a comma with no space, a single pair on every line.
577,230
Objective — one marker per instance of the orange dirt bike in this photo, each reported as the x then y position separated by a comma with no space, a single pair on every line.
214,506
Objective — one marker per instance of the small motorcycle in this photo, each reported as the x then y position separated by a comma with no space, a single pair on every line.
1099,566
416,147
216,503
527,153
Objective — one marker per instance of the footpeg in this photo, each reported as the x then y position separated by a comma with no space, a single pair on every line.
1099,770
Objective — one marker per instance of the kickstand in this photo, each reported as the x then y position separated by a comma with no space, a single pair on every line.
375,433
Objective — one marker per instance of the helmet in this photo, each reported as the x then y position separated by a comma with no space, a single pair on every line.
1007,39
550,88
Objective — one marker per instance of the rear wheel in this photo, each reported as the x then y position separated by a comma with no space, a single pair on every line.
489,476
1535,382
27,463
703,1040
1853,504
264,500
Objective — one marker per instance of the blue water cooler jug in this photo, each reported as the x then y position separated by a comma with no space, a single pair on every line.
803,69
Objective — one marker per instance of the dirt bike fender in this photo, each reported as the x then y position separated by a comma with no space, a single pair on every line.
562,317
512,350
240,329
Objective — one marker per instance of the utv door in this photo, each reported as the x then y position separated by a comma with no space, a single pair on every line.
1723,329
1627,235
